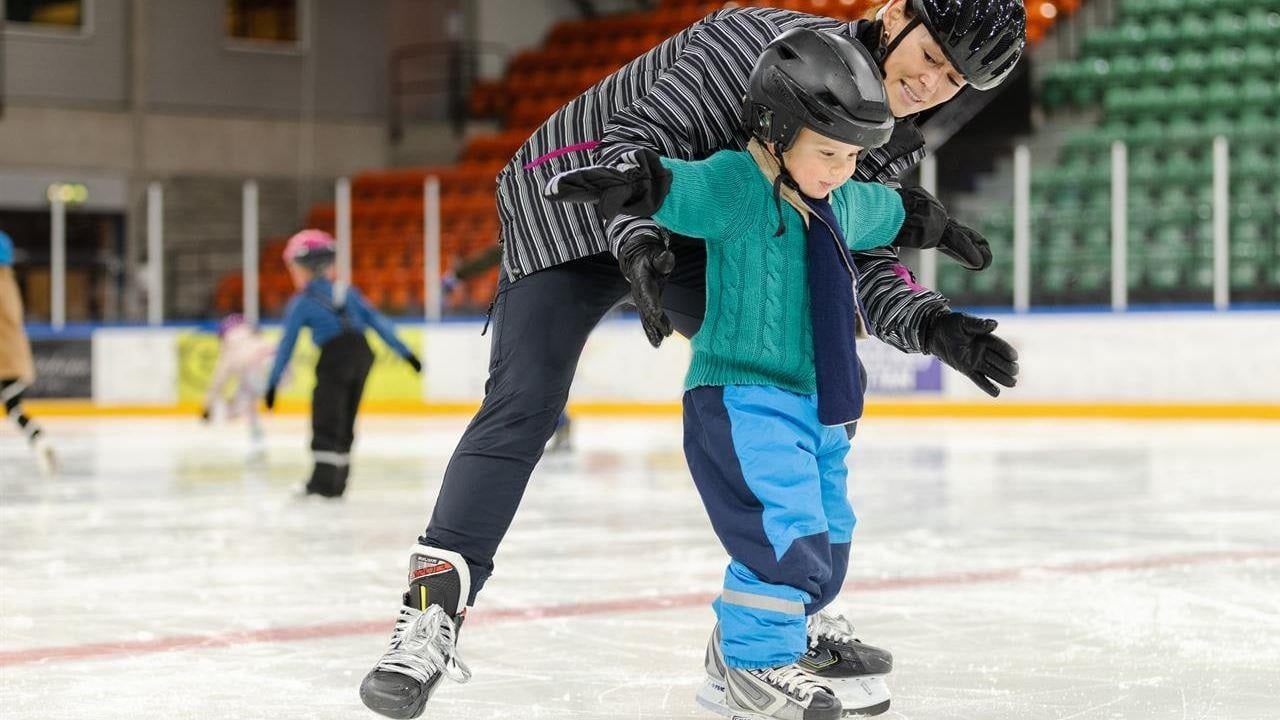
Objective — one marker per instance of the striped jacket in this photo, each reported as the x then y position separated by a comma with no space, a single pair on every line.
683,99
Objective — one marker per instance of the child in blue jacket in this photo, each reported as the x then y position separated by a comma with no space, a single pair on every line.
775,376
337,322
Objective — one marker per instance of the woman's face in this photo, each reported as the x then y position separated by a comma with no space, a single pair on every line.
819,164
918,75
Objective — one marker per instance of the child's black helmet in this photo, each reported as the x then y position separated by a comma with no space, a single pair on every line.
825,82
983,39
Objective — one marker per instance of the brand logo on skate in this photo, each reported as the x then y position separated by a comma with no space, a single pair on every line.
816,660
430,566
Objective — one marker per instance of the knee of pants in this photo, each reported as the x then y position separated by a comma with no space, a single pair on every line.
806,566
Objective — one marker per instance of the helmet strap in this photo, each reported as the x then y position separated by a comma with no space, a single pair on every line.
783,177
888,46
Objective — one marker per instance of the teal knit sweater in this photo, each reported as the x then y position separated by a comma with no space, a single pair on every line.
757,329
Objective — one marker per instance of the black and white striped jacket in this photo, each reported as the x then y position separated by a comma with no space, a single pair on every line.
683,99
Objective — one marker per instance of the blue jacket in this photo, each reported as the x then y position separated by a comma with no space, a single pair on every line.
313,308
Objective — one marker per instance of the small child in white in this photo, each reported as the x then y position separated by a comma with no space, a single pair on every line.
245,357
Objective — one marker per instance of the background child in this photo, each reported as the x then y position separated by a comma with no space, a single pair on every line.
775,375
337,321
17,371
245,357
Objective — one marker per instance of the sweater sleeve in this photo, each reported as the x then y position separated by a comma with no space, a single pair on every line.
709,198
871,214
292,324
378,322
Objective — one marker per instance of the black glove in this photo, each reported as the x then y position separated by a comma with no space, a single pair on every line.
646,262
965,343
636,186
414,363
965,245
270,397
927,225
204,414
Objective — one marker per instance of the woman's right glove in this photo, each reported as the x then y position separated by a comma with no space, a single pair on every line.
646,262
637,185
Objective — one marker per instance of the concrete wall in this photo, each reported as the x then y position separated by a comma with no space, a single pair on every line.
89,68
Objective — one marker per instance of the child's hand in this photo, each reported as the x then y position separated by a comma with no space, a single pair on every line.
927,225
414,363
270,398
636,186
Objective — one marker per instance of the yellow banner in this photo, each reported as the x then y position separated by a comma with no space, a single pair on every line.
390,379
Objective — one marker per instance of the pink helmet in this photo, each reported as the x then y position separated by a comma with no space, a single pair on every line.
312,249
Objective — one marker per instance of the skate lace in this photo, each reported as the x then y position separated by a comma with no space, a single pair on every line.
792,679
424,644
831,627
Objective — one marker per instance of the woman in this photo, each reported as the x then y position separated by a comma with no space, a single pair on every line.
565,268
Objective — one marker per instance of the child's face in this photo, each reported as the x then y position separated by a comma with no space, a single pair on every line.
819,164
301,276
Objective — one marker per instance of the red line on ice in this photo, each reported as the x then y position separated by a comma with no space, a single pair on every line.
601,607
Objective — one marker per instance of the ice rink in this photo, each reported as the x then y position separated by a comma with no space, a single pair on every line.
1018,570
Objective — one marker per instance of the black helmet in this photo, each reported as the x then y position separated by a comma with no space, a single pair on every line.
825,82
983,39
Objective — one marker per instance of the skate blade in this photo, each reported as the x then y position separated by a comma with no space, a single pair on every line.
861,696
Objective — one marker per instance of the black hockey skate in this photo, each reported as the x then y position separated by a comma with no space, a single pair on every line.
423,647
849,666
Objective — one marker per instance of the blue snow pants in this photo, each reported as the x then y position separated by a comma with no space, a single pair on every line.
773,480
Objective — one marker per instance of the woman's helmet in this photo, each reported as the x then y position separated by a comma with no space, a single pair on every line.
983,39
825,82
311,249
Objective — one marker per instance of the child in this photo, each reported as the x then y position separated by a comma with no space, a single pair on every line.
243,355
775,375
17,371
337,321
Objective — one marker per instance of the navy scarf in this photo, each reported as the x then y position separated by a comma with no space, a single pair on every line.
833,311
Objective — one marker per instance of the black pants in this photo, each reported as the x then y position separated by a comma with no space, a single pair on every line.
340,375
11,391
540,325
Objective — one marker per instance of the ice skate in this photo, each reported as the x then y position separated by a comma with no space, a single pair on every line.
852,668
859,694
423,647
46,459
783,693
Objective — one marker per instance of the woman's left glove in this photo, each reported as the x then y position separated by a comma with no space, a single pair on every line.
927,225
637,185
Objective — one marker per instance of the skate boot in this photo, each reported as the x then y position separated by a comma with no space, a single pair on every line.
423,647
328,479
781,693
46,460
852,668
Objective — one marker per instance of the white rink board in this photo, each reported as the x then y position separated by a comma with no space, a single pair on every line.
1065,357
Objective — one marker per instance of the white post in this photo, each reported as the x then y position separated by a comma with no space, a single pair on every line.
155,254
249,239
1021,229
343,232
1221,226
1119,227
57,262
929,258
431,248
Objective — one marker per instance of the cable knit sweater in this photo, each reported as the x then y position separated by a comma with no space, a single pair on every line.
757,329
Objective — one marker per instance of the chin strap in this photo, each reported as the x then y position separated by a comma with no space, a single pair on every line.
783,177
